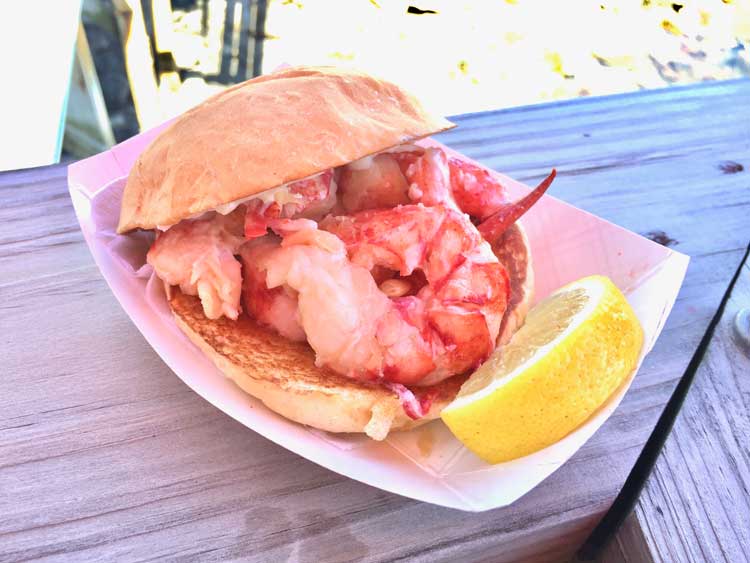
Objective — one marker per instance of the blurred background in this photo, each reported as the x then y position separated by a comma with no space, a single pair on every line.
136,63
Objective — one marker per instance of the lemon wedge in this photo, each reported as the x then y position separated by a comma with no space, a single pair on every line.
576,348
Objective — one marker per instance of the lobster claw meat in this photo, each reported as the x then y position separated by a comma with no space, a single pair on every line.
497,223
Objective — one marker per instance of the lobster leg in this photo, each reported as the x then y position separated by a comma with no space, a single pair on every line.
496,224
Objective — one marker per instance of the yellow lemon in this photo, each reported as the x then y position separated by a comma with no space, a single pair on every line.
575,349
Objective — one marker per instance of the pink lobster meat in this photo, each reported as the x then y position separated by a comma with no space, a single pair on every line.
312,197
198,256
403,289
430,177
443,328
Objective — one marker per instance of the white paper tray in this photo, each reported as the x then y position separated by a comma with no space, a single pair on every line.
427,463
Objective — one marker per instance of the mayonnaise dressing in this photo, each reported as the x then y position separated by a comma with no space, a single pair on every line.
366,161
279,194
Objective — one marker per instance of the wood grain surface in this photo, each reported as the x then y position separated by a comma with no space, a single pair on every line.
696,505
105,454
628,546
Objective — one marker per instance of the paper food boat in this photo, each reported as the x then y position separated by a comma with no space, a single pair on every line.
427,463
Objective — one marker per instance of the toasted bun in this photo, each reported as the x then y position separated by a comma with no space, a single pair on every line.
283,375
266,132
512,249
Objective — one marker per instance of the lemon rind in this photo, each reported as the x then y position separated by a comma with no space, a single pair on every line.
595,288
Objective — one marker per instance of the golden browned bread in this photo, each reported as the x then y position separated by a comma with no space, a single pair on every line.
283,375
264,133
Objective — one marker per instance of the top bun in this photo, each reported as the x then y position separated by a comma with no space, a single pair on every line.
266,132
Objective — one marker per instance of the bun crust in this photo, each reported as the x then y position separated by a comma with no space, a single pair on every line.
512,249
266,132
283,375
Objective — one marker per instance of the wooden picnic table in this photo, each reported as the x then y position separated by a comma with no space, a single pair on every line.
105,454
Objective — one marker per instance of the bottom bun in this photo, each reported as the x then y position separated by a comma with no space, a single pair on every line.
283,374
512,250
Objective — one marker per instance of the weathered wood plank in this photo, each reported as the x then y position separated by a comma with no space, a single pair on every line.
105,454
629,546
696,504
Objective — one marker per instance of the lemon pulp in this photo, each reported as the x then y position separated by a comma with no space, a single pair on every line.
576,347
